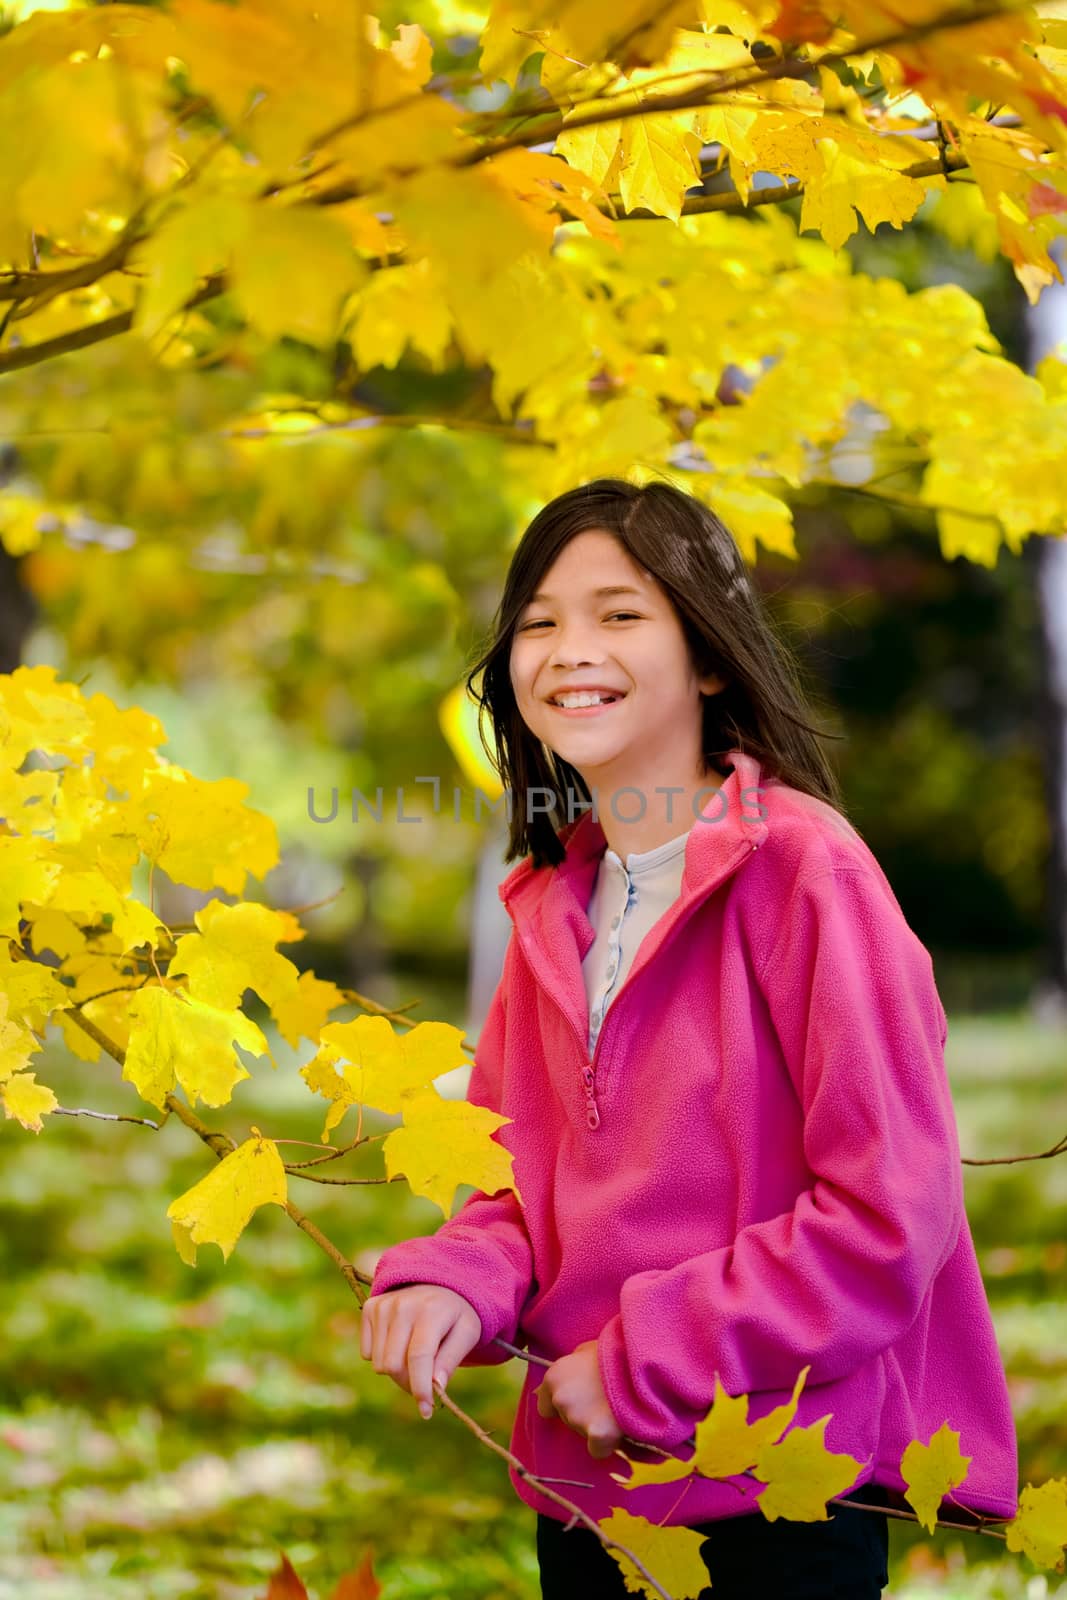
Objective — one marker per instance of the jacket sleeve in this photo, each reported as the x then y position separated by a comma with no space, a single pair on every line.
841,1276
483,1252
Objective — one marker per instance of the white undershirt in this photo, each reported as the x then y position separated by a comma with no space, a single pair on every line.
626,901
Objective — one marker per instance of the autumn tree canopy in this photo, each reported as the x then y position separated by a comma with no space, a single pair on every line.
217,221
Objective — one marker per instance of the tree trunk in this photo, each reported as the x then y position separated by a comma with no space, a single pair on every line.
1046,326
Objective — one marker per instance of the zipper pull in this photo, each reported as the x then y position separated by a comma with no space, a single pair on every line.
592,1115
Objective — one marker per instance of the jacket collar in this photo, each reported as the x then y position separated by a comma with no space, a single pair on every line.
732,814
548,905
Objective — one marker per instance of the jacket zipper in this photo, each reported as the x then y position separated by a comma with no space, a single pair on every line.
588,1073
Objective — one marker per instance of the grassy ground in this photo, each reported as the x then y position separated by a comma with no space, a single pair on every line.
165,1430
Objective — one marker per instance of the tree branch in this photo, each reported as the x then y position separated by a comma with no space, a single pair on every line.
31,355
789,65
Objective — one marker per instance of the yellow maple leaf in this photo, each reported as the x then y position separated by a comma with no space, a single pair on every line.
642,1473
538,178
281,71
292,267
853,182
397,307
658,154
505,40
217,1209
473,226
27,1100
1040,1528
324,1075
54,930
570,83
17,1042
930,1471
30,991
25,797
727,1443
631,32
37,712
193,240
753,515
174,1038
1004,168
92,895
20,516
977,538
629,431
379,1066
732,126
91,133
746,18
416,132
547,360
201,832
444,1143
595,148
802,1475
672,1555
301,1012
26,873
124,740
1051,370
234,950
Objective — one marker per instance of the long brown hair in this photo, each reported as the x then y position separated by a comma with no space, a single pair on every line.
763,710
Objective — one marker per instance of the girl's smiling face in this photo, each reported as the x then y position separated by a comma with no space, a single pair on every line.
574,633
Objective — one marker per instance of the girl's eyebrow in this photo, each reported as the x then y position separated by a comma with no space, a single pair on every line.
608,589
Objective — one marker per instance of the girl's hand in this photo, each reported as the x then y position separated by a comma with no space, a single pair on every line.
418,1333
572,1390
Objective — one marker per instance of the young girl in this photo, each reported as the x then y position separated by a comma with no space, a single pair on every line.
721,1049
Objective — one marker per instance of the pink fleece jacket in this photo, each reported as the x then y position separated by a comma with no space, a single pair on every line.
759,1169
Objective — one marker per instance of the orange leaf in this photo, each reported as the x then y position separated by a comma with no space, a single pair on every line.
801,20
360,1583
1044,200
1048,105
284,1582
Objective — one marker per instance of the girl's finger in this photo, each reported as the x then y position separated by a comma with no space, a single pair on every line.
419,1360
454,1346
383,1336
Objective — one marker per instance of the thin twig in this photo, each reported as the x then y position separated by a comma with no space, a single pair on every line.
314,1177
104,1116
1003,1161
331,1155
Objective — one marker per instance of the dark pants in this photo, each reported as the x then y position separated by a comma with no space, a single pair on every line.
844,1558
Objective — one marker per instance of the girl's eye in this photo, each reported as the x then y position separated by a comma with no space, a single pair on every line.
627,616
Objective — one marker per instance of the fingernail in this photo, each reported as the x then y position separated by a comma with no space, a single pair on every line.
425,1408
439,1377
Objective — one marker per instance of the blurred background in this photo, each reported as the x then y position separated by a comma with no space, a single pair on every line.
165,1431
